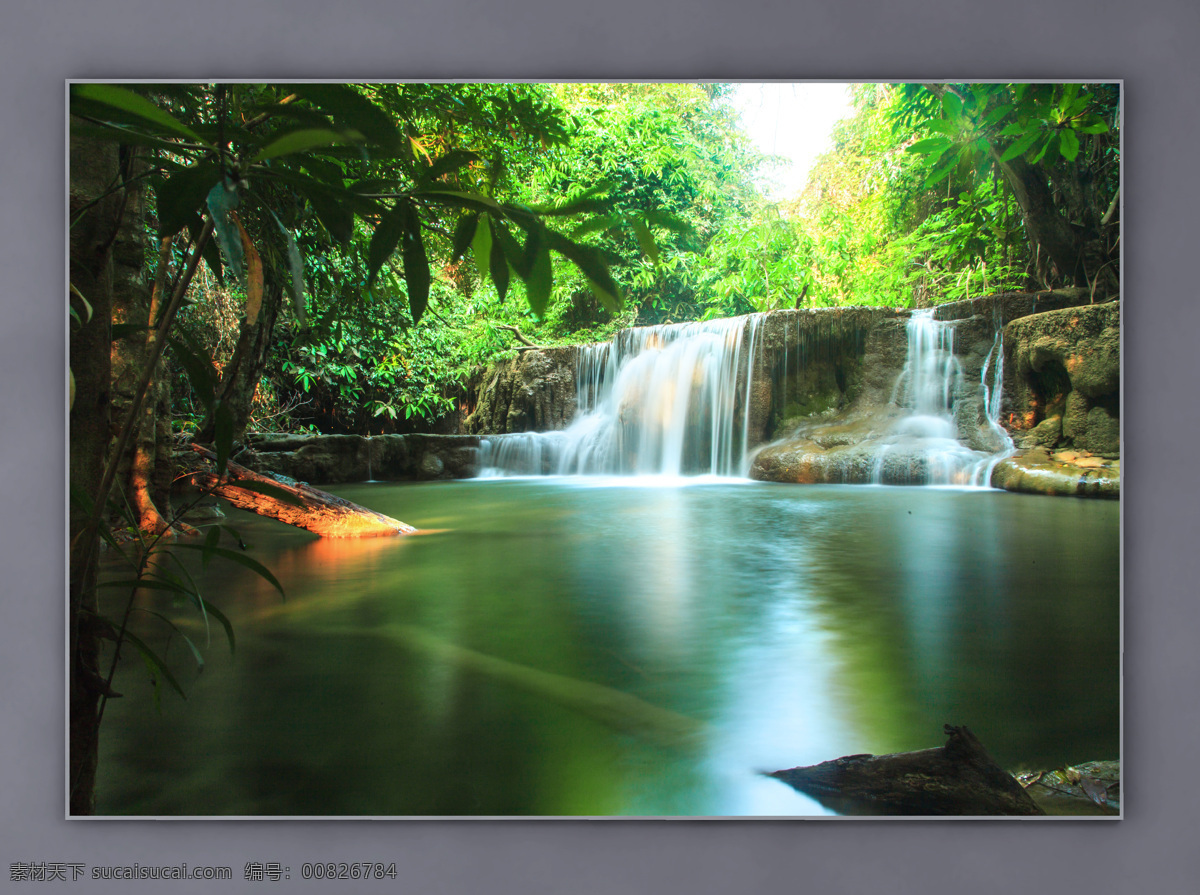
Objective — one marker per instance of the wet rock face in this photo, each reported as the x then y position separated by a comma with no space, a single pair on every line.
532,392
838,423
335,459
315,459
1065,364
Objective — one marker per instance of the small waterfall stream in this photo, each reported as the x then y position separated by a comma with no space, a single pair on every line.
658,400
925,440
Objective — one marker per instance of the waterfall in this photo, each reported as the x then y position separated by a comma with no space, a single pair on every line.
666,400
922,446
982,475
681,400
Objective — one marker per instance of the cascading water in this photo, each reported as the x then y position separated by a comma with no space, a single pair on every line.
994,362
673,401
923,446
660,400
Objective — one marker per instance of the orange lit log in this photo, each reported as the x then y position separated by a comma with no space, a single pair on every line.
304,506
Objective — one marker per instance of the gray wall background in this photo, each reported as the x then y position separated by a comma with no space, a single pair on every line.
1151,45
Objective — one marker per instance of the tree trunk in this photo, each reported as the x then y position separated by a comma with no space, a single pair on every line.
241,375
955,779
300,505
1046,226
93,171
136,303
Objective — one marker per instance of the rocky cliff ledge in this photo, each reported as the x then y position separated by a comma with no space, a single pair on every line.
835,420
532,392
1062,402
335,459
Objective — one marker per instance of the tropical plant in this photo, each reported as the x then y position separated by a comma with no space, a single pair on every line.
241,175
1056,148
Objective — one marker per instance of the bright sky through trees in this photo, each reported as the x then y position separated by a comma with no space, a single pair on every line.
792,120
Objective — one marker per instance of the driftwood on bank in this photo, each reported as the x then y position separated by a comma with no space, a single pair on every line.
955,779
301,505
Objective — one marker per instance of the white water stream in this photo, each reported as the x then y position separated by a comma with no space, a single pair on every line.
658,400
671,401
927,386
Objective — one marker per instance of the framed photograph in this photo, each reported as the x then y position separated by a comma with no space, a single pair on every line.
568,449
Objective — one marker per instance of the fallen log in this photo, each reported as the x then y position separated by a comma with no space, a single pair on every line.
301,505
955,779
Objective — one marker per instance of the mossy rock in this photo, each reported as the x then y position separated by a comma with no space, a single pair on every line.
1064,474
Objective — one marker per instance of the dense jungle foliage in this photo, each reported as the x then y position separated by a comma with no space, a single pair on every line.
917,202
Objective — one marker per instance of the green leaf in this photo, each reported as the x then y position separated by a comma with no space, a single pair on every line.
931,144
222,199
451,161
498,263
301,141
385,239
181,196
595,199
87,305
481,247
295,268
593,225
416,264
239,558
540,280
464,234
475,201
526,258
993,117
350,107
137,107
211,253
157,668
1052,140
195,652
297,112
334,205
644,237
1069,144
592,266
329,173
952,105
337,217
941,174
1096,126
1020,146
668,221
224,621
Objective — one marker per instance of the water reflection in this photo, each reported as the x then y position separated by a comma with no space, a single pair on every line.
540,654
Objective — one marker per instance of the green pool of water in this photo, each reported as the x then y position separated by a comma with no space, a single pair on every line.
614,647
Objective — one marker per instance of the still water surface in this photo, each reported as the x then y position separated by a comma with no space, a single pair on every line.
614,646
